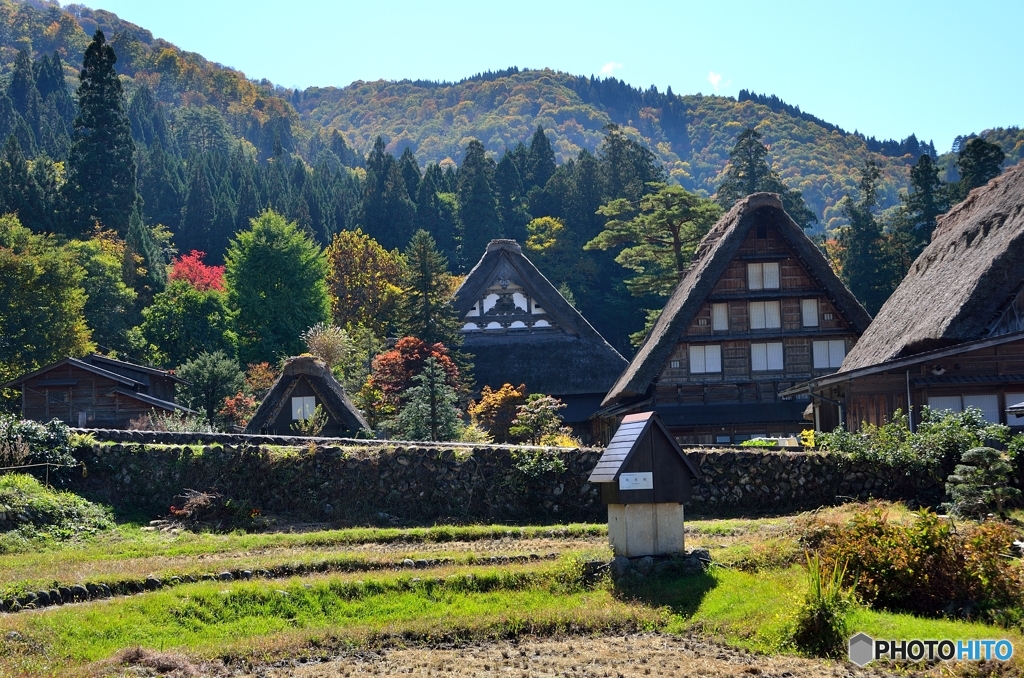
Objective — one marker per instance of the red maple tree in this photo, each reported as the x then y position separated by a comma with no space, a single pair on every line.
190,268
393,370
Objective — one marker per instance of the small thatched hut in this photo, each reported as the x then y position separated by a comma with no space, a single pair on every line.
521,330
758,311
304,383
952,334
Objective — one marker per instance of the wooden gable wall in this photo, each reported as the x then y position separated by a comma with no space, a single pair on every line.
77,396
737,382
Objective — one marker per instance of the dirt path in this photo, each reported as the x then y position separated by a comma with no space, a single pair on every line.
639,656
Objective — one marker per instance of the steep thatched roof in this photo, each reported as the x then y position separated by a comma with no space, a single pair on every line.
569,358
961,284
716,250
330,393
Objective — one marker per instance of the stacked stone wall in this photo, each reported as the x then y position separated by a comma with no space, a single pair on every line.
385,482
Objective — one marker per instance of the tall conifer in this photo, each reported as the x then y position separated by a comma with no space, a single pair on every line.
478,210
101,166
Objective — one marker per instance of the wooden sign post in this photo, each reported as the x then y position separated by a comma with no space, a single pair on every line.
645,479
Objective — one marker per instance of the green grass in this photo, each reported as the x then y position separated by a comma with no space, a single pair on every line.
128,552
749,607
37,517
267,617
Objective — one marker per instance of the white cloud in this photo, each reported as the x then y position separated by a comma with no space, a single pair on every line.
610,67
716,80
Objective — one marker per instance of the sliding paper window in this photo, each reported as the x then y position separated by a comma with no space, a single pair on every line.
705,359
763,276
303,407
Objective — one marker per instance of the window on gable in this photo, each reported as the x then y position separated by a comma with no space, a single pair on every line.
720,317
763,276
809,312
829,355
303,407
765,315
705,359
766,357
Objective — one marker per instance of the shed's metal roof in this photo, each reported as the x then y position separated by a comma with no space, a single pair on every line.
623,445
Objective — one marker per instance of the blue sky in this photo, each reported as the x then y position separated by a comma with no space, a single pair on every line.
936,69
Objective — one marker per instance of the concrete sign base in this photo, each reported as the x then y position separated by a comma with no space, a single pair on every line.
636,530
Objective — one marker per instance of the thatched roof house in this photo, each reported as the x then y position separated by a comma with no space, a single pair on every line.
96,392
521,330
758,310
304,383
952,334
966,285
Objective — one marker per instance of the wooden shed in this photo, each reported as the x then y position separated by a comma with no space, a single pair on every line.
645,478
96,392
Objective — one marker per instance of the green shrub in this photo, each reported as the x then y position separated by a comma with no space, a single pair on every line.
759,442
925,567
980,484
25,442
933,449
31,513
820,628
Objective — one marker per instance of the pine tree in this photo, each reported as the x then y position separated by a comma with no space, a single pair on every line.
628,166
979,162
373,209
23,93
410,171
162,187
101,165
427,313
508,187
540,161
436,214
196,232
478,210
223,226
20,192
430,412
748,172
8,118
53,89
345,154
399,210
148,120
248,205
145,265
866,268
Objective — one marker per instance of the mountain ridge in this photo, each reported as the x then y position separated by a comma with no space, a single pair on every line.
690,134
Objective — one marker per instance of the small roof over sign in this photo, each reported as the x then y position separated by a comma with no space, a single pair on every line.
1016,410
624,445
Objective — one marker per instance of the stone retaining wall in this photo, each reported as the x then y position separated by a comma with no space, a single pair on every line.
388,482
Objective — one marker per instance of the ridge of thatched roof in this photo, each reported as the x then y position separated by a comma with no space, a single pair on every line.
574,360
713,255
961,283
332,395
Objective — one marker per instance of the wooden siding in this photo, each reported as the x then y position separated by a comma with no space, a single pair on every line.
995,370
84,392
